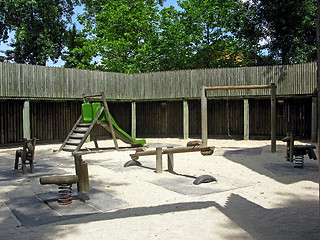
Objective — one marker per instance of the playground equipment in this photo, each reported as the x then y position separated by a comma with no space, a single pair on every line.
296,152
26,154
193,146
204,117
95,111
65,182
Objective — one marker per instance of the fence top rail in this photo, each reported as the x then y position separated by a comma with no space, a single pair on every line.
237,87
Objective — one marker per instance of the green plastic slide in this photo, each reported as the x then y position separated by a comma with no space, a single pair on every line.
86,109
122,135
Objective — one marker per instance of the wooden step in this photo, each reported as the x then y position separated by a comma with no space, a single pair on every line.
73,141
77,136
84,125
81,130
69,148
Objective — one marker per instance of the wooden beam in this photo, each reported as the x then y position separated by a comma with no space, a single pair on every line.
134,119
109,120
185,119
159,160
82,173
66,179
170,161
273,118
246,117
26,120
244,87
314,119
204,117
173,150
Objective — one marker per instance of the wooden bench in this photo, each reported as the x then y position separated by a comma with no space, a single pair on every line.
26,154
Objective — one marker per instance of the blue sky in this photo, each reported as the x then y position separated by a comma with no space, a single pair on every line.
4,46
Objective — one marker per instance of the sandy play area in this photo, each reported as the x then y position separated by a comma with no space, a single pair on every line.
257,195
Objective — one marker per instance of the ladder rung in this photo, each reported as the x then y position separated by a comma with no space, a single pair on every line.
73,142
69,149
77,136
81,130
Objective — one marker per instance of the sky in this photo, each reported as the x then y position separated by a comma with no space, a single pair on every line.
4,46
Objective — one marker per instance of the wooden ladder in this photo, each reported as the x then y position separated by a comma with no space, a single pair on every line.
78,134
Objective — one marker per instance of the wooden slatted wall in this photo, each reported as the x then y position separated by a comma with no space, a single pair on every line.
159,119
53,120
11,124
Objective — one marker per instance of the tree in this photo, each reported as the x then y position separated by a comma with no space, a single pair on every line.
39,27
122,33
289,28
161,2
79,53
214,28
175,50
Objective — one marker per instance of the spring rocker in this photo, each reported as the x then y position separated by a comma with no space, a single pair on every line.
193,146
26,154
296,152
65,182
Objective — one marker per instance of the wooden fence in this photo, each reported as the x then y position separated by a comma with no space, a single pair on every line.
37,82
55,95
52,120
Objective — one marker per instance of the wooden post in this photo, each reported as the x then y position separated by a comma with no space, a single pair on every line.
273,118
26,120
133,120
318,85
158,160
185,119
109,120
82,173
246,114
170,161
314,120
204,118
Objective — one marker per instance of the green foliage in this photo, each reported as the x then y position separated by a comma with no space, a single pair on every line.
39,28
290,27
135,36
212,28
123,33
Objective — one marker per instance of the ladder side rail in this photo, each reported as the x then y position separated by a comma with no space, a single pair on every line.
70,133
89,130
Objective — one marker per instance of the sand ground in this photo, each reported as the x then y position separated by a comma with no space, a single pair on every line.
257,195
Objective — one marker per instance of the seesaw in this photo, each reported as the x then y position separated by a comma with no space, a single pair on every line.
193,146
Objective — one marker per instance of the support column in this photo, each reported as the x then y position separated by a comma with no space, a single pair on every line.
204,118
314,118
273,118
133,120
158,160
246,128
26,120
170,161
185,119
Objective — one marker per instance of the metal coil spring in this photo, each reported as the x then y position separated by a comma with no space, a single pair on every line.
65,194
298,161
